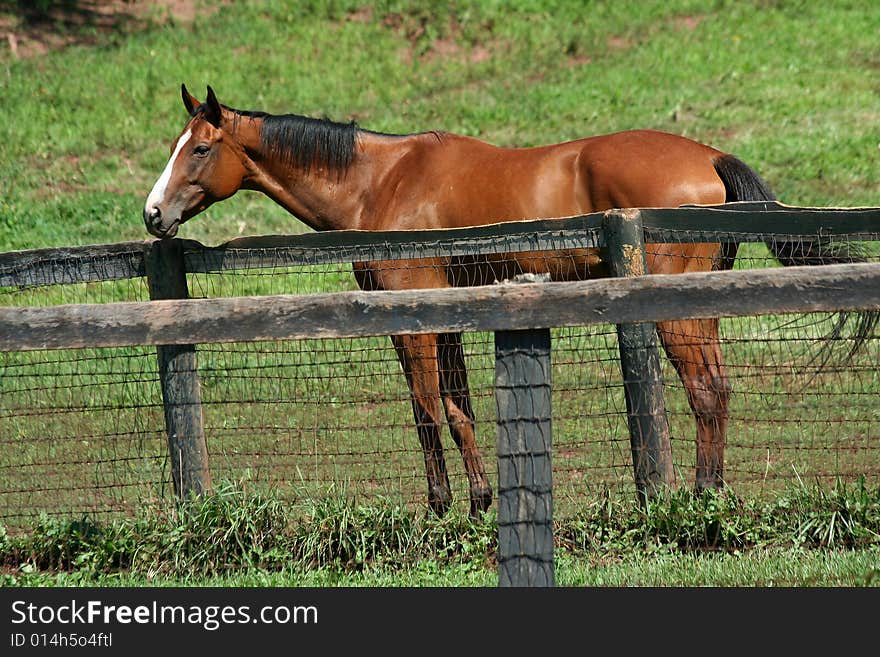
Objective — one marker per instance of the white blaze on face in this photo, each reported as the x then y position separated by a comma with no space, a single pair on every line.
158,192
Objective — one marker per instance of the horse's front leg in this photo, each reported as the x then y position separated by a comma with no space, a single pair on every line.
694,349
418,357
460,416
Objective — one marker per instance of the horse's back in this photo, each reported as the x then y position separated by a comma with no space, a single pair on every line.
478,183
457,181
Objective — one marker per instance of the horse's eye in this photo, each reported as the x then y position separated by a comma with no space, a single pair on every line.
201,150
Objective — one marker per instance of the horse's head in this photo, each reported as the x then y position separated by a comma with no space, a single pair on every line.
205,167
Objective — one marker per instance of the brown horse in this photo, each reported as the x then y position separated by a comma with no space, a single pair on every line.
337,176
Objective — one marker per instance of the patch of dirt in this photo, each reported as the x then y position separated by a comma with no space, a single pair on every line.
429,42
30,28
621,42
689,22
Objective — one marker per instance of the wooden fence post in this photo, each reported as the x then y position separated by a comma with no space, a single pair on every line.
179,377
640,364
525,486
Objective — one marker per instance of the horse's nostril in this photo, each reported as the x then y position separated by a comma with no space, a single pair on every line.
152,215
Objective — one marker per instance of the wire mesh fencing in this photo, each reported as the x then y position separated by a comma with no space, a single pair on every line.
83,431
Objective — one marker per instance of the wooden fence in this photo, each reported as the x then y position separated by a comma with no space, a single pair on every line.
175,323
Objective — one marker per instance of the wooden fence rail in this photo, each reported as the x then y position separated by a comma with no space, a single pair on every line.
740,222
659,297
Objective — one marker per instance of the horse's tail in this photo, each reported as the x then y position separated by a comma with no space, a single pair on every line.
742,183
740,180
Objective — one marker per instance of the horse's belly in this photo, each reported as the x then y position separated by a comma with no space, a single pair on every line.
567,265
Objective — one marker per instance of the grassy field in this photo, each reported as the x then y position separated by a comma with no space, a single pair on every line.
791,87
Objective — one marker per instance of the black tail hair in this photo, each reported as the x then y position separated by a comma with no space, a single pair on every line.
742,183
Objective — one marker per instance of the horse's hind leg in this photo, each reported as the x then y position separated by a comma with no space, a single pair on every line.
695,352
418,357
460,416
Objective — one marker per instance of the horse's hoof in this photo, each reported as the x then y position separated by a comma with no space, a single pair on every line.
481,500
439,500
709,483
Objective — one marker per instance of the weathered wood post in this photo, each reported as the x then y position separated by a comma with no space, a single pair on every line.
525,482
640,364
179,377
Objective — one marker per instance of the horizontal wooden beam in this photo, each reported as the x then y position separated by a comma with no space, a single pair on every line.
487,308
744,222
756,221
347,246
72,264
751,221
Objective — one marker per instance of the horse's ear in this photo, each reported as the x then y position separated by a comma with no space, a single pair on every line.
213,113
189,101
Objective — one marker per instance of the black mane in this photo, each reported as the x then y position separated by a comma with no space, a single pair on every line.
307,142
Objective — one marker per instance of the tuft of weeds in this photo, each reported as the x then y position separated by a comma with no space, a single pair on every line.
229,529
339,531
845,516
69,545
842,517
706,520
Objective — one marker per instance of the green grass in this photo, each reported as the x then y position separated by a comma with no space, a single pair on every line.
789,86
811,536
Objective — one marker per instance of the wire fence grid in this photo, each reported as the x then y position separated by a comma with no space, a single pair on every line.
82,430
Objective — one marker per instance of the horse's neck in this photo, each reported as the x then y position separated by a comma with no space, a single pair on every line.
322,197
320,201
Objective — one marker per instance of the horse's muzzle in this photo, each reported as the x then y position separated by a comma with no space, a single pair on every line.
154,224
